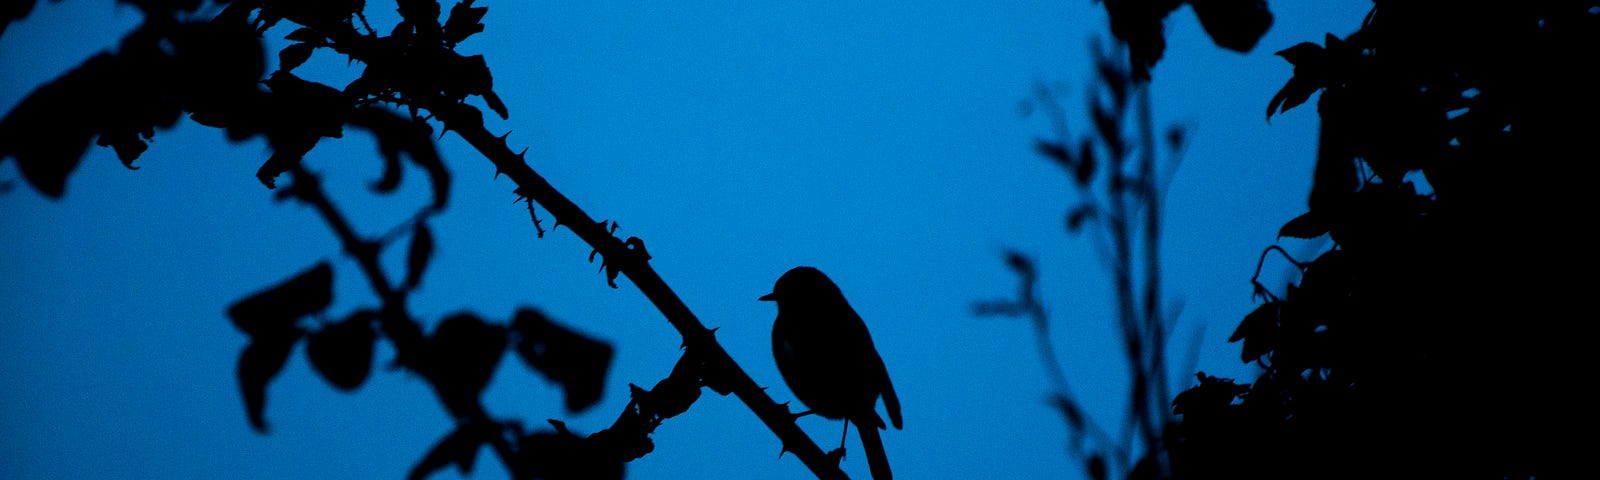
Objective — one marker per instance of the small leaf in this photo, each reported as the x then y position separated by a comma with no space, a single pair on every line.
1057,152
418,255
277,309
294,55
1109,125
577,362
342,352
1077,216
1086,163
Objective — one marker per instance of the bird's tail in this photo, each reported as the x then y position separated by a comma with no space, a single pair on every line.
877,459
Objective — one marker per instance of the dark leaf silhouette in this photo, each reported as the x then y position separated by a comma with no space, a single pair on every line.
459,448
465,21
1307,226
1309,76
47,144
13,11
305,34
294,55
561,455
463,353
1259,330
276,310
1234,24
342,352
1213,394
418,255
577,362
672,395
1078,216
1087,163
1096,468
399,135
302,112
261,360
1057,152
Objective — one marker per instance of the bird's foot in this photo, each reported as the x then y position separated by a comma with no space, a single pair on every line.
837,455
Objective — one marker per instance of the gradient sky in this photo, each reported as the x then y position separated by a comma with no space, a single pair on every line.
880,142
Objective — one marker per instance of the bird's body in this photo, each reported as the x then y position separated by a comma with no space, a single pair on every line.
827,358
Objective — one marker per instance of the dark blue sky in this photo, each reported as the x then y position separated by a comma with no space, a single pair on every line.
881,143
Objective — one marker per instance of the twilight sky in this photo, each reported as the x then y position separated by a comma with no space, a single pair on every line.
878,141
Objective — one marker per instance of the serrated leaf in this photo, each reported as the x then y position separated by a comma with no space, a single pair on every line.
342,352
276,309
418,255
465,21
577,362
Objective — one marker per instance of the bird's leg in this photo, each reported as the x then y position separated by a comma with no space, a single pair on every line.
838,453
844,433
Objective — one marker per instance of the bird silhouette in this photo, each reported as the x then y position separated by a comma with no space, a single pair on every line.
828,360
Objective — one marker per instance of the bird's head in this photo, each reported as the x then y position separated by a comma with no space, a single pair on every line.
802,283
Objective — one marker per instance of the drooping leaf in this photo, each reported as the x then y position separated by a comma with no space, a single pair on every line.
261,360
418,255
1234,24
342,352
577,362
463,354
459,448
276,309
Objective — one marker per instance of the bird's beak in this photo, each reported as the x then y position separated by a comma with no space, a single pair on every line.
768,298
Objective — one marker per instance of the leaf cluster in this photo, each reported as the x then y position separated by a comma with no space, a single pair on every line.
1427,340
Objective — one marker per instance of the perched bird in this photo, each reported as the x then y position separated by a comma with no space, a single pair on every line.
827,357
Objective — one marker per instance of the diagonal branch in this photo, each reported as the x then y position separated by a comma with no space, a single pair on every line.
629,259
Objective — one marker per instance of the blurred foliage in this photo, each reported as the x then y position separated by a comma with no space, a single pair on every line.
1121,171
1435,338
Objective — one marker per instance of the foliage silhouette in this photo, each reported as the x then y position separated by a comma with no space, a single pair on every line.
1431,340
1117,174
177,64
